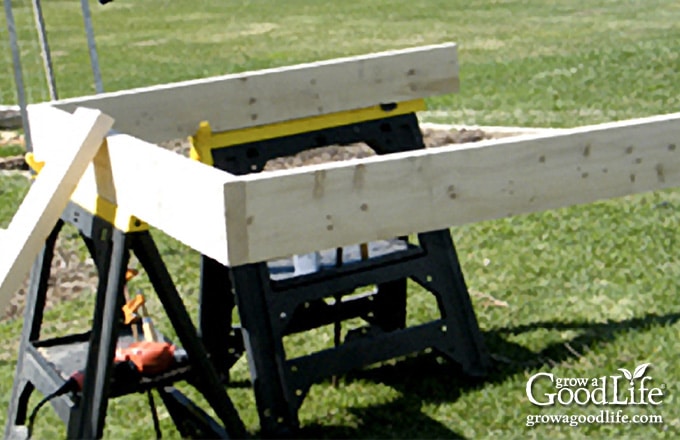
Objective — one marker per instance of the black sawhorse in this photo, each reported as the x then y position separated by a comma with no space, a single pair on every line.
84,412
270,309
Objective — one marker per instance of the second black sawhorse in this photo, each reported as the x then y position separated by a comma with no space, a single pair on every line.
271,308
45,365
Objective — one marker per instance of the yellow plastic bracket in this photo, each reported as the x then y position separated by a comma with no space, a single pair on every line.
110,212
204,141
201,144
34,164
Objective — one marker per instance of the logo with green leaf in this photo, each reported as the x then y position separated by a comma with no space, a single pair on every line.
637,373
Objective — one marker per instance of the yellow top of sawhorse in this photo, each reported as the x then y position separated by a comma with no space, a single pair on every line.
204,141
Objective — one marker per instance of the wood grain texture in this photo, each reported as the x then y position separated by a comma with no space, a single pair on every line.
228,102
301,210
181,197
79,137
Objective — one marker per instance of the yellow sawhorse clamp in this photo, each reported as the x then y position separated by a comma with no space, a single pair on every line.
204,140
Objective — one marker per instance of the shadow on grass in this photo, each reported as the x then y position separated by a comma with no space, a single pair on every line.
593,335
429,378
379,421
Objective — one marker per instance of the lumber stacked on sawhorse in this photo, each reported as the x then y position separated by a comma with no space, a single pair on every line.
371,98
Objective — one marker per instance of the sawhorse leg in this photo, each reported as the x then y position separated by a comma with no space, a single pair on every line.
208,381
33,313
466,345
103,344
265,351
89,422
215,314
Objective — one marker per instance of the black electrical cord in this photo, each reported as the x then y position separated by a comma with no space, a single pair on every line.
154,416
72,384
34,413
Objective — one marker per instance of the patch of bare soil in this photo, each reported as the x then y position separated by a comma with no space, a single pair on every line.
7,138
13,163
71,276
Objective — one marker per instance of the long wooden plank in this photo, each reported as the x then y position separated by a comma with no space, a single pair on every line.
297,211
181,197
249,99
80,136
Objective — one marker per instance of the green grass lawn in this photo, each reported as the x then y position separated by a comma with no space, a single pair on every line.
11,150
577,292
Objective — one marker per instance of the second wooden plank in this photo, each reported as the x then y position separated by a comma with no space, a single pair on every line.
320,207
229,102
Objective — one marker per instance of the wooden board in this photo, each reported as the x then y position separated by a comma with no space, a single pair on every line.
297,211
181,197
239,220
172,111
79,137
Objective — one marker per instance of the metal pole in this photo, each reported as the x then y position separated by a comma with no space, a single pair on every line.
94,59
18,75
44,49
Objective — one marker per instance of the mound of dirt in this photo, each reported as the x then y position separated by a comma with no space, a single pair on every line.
432,137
